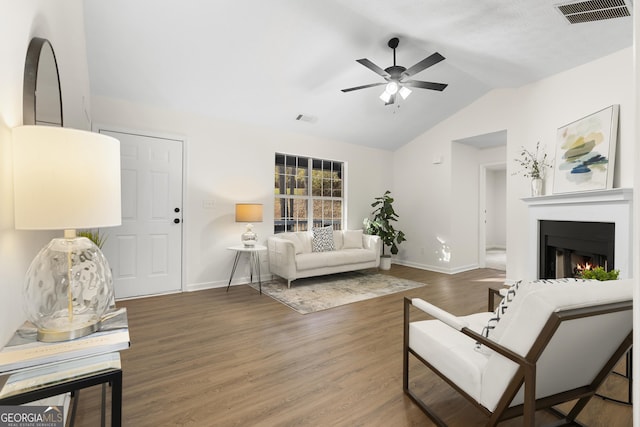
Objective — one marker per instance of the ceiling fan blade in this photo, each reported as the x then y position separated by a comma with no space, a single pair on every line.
391,100
425,85
425,63
373,67
363,87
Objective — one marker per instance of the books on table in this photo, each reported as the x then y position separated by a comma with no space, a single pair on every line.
37,377
24,351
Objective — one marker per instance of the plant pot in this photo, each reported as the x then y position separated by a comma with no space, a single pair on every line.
385,262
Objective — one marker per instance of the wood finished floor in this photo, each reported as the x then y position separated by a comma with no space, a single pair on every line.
212,358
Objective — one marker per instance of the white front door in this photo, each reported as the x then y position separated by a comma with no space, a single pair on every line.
145,252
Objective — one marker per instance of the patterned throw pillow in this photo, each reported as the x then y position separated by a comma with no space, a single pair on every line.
509,294
322,239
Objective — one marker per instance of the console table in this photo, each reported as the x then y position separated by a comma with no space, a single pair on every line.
31,370
37,383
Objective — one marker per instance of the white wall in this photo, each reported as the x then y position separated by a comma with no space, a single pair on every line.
231,162
62,23
425,195
428,206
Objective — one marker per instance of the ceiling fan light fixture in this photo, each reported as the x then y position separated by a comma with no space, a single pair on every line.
396,75
385,96
392,88
404,92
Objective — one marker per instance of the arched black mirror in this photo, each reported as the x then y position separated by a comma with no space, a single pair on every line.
42,97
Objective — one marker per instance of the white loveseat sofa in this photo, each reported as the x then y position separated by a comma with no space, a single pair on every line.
291,254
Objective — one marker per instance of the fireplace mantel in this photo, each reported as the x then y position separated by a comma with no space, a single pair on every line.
586,197
614,206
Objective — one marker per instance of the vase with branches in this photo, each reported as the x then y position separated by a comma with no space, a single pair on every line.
533,165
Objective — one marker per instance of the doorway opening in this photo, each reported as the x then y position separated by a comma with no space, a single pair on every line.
493,216
490,160
145,252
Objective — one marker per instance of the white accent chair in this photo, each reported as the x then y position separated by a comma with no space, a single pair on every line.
556,341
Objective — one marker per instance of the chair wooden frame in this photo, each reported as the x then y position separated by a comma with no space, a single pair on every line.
526,373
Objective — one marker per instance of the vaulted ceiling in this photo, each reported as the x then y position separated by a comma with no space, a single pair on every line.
267,62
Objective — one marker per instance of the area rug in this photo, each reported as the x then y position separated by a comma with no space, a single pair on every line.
323,292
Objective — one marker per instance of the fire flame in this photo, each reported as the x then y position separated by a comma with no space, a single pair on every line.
585,266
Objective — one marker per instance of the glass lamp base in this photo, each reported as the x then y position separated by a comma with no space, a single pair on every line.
249,238
61,329
249,243
68,288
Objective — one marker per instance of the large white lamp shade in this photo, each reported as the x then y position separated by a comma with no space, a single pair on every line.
66,179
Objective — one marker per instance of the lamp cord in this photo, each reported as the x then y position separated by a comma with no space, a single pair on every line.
69,291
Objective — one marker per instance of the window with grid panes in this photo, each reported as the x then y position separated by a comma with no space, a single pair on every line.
308,193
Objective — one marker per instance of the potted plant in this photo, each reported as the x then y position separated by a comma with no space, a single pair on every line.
381,225
599,273
533,166
95,236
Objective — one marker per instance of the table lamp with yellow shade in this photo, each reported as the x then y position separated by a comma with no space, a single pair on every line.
249,213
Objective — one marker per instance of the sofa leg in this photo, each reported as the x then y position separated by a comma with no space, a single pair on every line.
288,283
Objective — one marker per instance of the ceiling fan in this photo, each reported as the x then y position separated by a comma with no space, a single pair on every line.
396,76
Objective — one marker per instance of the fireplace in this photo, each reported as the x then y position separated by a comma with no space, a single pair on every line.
565,212
567,247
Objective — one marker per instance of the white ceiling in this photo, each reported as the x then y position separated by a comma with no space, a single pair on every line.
266,62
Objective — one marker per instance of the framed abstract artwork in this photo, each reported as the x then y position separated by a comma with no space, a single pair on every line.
586,152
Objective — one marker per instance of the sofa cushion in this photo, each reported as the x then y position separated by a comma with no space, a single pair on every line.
293,238
338,241
322,239
352,239
451,352
308,261
350,256
305,238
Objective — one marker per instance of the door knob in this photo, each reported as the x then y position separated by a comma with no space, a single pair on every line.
176,210
176,221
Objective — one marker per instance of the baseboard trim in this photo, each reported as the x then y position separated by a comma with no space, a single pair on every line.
437,269
148,296
203,286
193,287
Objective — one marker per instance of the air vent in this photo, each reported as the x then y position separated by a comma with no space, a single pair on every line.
593,10
306,118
